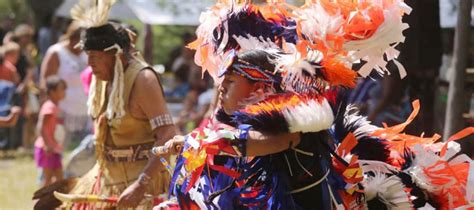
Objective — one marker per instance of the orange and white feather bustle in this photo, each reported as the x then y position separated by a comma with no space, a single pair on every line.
445,174
350,31
418,170
439,169
333,34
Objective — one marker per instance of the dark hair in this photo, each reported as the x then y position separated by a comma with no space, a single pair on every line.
188,37
259,58
52,83
102,37
131,28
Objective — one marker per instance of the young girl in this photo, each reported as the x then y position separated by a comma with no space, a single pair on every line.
47,149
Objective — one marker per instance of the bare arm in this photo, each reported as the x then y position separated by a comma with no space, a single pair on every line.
22,85
153,104
147,93
49,67
11,119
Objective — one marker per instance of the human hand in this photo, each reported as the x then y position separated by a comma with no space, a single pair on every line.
15,110
172,146
48,150
58,149
175,144
132,196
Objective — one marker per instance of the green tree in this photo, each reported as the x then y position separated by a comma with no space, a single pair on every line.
19,9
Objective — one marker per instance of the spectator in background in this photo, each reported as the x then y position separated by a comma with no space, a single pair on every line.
67,61
7,89
10,53
185,71
184,65
23,35
48,34
6,26
25,96
48,147
196,104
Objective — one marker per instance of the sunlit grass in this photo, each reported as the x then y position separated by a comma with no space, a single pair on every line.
18,181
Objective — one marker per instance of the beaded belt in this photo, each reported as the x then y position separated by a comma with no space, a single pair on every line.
130,153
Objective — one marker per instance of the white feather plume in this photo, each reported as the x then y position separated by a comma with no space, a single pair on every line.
317,23
352,117
251,42
376,166
311,116
389,190
92,13
297,71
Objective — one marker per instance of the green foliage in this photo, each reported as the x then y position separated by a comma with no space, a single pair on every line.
165,39
19,8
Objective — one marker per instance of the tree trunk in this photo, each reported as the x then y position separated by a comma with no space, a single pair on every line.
148,55
456,94
43,10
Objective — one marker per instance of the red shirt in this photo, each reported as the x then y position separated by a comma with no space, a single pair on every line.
8,72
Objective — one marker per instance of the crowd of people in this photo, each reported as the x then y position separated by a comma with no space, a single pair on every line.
27,62
20,104
35,123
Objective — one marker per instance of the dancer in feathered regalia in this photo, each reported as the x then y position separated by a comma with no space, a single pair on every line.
128,106
284,138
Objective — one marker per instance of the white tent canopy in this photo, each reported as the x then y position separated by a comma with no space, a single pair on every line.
154,12
448,12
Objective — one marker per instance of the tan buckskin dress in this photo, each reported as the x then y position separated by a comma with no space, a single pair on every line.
127,131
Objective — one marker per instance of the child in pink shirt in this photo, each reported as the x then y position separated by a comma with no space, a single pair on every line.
47,149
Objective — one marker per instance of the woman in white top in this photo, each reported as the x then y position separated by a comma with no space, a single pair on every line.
67,61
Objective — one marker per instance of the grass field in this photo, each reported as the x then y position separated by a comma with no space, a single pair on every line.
18,181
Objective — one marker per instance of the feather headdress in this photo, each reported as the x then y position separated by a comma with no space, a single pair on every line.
313,47
230,25
319,40
92,13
